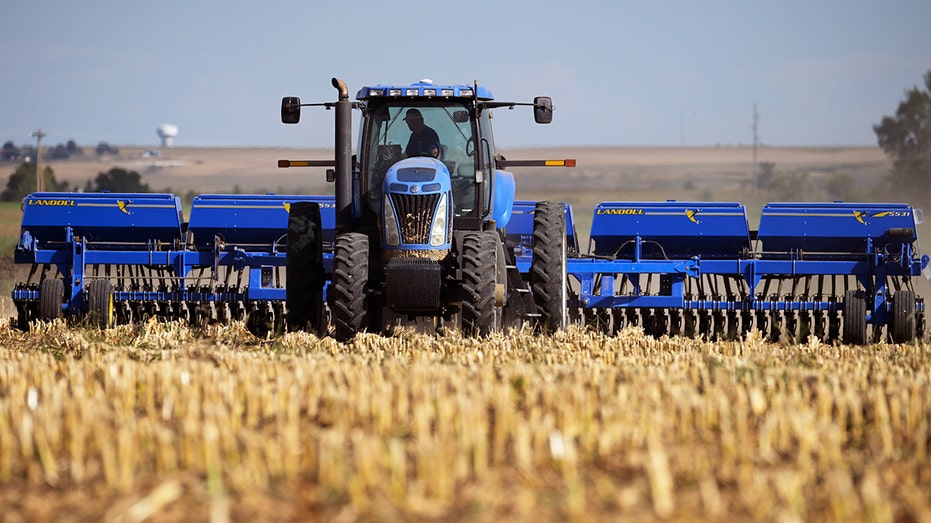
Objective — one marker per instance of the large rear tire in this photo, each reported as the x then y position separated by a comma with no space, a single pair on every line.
479,272
51,295
904,320
548,267
349,288
305,277
855,317
100,303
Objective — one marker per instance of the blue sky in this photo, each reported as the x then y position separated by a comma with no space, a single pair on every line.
620,72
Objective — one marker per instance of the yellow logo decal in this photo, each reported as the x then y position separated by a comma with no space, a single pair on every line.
691,215
53,203
620,211
861,215
287,207
123,205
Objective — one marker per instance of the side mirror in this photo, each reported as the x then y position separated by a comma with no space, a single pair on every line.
543,109
461,116
290,109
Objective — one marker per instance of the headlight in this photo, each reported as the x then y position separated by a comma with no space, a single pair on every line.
392,233
440,219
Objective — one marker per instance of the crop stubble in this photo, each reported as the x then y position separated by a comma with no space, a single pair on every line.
176,422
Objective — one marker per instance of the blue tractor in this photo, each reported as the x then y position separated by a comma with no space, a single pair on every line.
420,218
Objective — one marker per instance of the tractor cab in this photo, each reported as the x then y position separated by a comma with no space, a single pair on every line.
425,163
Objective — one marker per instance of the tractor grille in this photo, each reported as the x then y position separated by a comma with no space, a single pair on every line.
415,214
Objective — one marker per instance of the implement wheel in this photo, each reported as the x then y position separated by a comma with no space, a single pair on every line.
854,317
261,320
548,268
479,270
598,319
305,277
99,296
904,321
22,316
51,294
347,296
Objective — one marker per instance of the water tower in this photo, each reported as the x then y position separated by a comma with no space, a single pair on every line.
167,133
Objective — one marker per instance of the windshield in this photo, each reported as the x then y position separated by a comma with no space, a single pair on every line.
402,130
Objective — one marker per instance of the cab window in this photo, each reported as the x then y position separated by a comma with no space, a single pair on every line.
389,135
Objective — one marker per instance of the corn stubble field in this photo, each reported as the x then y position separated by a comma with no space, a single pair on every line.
169,422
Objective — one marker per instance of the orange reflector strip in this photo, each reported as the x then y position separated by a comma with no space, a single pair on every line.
296,163
306,163
559,163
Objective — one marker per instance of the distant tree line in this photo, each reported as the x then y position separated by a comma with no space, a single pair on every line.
906,139
11,153
23,182
117,180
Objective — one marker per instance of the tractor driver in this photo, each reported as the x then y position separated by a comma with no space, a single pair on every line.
423,140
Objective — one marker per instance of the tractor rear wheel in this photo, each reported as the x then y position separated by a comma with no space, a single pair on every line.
51,294
348,289
100,303
548,267
854,317
305,278
479,271
904,322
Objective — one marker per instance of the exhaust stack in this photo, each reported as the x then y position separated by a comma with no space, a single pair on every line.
343,143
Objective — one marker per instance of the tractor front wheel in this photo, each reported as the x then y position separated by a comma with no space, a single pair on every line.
349,287
479,270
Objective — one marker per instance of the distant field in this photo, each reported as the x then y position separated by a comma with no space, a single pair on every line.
170,422
616,171
603,173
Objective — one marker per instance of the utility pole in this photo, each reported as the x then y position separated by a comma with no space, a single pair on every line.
39,181
756,140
